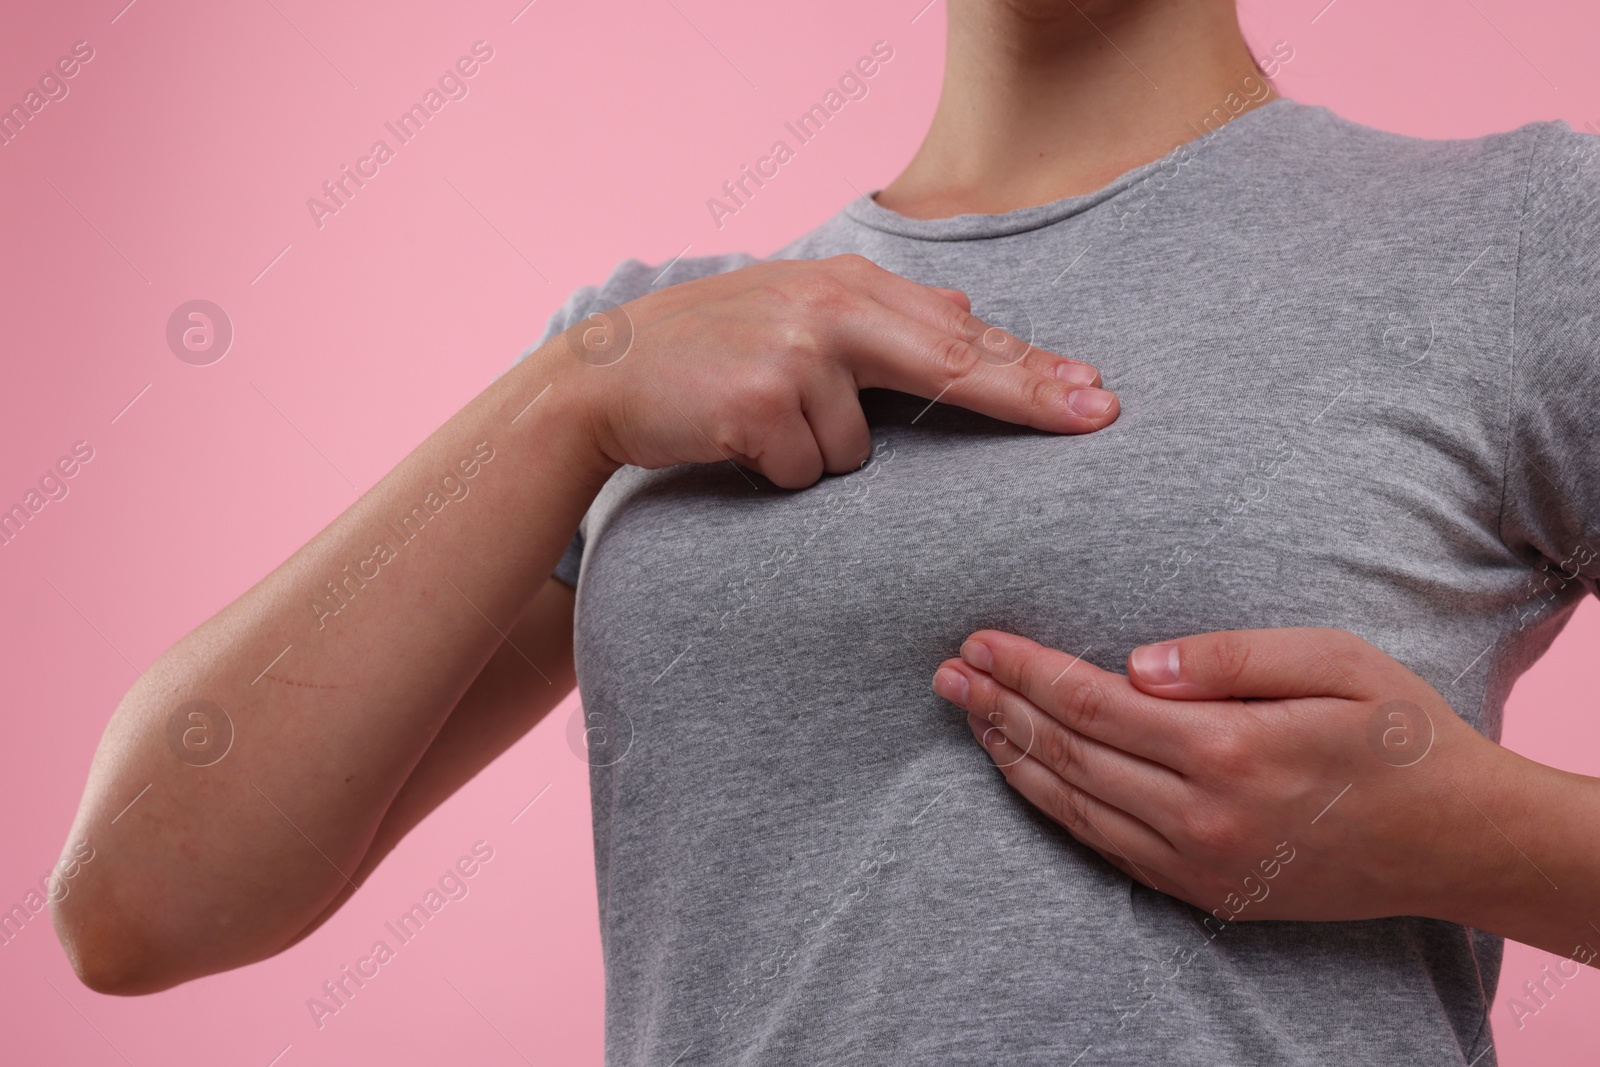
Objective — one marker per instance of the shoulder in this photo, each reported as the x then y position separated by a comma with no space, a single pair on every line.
1333,132
1563,186
629,280
633,278
1464,177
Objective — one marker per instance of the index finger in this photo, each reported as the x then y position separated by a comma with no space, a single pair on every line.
949,311
1096,703
977,367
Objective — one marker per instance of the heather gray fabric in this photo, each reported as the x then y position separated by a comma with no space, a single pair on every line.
1358,377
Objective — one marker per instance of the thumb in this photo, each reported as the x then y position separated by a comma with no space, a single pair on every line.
1284,663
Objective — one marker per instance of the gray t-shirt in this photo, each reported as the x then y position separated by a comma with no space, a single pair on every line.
1358,375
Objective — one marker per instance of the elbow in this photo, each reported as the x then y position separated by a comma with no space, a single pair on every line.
106,955
104,973
119,948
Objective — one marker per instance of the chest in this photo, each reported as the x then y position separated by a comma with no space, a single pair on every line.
1263,508
1330,456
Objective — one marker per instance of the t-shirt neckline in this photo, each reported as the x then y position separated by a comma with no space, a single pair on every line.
868,212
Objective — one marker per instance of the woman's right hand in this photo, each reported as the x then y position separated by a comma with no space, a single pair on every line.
764,365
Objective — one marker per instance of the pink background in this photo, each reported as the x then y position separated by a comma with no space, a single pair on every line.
178,167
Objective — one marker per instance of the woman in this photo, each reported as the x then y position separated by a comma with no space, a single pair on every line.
1344,492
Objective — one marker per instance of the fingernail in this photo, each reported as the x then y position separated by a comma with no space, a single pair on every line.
1157,664
950,684
979,655
1089,403
1076,373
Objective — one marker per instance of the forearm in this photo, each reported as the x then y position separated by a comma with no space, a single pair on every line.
1527,861
335,672
530,674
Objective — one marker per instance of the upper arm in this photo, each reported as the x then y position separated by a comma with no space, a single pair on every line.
506,700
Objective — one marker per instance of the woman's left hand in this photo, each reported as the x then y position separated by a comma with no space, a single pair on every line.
1258,774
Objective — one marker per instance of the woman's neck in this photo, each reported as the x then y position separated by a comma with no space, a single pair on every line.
1045,99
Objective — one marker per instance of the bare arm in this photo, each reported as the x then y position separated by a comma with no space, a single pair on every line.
340,670
528,675
214,866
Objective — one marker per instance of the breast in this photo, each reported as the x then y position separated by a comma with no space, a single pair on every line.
790,787
1213,507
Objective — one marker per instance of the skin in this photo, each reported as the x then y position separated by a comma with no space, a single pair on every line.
1045,99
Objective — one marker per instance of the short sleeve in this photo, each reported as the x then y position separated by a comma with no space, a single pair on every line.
577,305
1551,502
